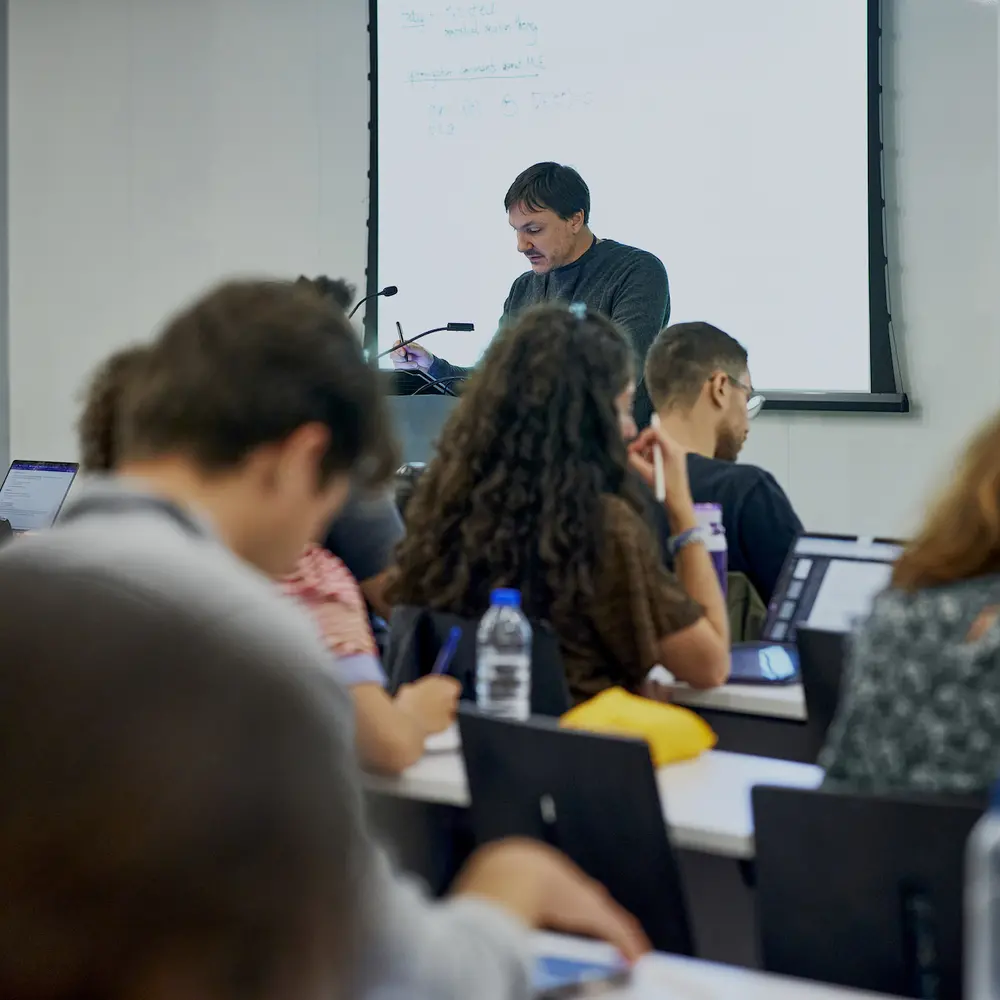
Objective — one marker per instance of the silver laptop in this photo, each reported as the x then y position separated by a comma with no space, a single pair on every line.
33,493
828,582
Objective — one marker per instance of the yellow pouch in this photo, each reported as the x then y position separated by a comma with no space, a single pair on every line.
673,733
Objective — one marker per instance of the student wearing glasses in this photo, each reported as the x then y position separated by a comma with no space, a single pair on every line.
701,388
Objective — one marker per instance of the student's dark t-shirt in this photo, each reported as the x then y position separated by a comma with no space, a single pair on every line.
760,524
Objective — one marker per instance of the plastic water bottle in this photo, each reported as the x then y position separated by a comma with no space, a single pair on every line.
982,906
503,658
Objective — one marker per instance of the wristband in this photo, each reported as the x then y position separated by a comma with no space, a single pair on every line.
690,537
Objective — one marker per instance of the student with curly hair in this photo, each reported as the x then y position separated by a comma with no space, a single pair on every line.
531,488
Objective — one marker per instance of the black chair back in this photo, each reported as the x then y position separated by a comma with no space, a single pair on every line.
416,637
593,797
861,890
821,665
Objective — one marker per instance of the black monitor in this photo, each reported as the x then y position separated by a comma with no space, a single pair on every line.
593,797
862,890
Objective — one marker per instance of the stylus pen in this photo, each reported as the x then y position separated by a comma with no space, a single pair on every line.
447,653
659,485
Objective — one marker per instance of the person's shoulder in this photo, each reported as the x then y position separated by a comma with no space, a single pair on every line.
741,475
147,552
633,257
522,284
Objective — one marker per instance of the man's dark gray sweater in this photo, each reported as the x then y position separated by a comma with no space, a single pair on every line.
627,284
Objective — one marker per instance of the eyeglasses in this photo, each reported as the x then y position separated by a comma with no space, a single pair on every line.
755,400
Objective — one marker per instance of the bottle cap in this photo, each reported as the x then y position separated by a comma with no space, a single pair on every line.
504,597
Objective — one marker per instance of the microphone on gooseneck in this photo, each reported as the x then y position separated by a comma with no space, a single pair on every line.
388,292
454,327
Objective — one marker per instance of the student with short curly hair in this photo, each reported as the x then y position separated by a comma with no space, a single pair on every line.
531,489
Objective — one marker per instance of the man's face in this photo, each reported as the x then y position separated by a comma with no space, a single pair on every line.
624,403
545,239
734,423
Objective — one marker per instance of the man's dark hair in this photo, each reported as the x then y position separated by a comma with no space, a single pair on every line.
684,356
552,186
98,426
175,798
338,290
247,365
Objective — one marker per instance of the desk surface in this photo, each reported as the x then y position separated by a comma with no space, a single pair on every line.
785,701
706,802
670,977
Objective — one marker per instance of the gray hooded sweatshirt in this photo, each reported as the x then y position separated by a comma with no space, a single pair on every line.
419,948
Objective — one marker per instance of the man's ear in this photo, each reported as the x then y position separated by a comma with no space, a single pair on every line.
576,221
718,389
304,449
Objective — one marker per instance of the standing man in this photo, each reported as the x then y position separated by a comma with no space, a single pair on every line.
548,206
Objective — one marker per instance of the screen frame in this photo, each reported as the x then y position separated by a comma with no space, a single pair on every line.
887,394
67,467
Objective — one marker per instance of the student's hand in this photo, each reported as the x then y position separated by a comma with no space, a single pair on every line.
678,501
431,701
412,357
546,890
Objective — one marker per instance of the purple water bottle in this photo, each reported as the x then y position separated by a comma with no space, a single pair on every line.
709,516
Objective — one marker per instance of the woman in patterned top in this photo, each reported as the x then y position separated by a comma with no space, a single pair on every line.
920,709
390,732
530,488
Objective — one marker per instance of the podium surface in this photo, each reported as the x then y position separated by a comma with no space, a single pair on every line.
417,421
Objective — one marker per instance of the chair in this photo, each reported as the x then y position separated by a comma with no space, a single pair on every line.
863,891
821,666
593,797
417,634
747,612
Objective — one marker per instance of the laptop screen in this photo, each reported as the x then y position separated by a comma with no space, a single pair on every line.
829,583
33,493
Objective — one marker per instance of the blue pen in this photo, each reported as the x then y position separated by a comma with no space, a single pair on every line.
447,653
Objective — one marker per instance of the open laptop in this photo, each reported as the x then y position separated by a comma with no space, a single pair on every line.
33,493
828,582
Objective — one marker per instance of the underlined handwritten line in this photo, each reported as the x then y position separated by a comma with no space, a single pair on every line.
469,79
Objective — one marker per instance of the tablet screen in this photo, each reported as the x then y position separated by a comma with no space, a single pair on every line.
763,665
567,977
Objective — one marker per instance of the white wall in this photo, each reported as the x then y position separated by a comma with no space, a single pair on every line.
156,146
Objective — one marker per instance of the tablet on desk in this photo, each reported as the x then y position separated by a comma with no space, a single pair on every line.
763,663
566,977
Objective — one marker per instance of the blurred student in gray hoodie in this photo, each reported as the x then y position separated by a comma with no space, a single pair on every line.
239,437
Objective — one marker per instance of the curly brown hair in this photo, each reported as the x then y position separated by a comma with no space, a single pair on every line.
514,496
97,428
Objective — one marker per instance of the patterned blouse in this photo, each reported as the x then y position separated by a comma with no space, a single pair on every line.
326,587
920,705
